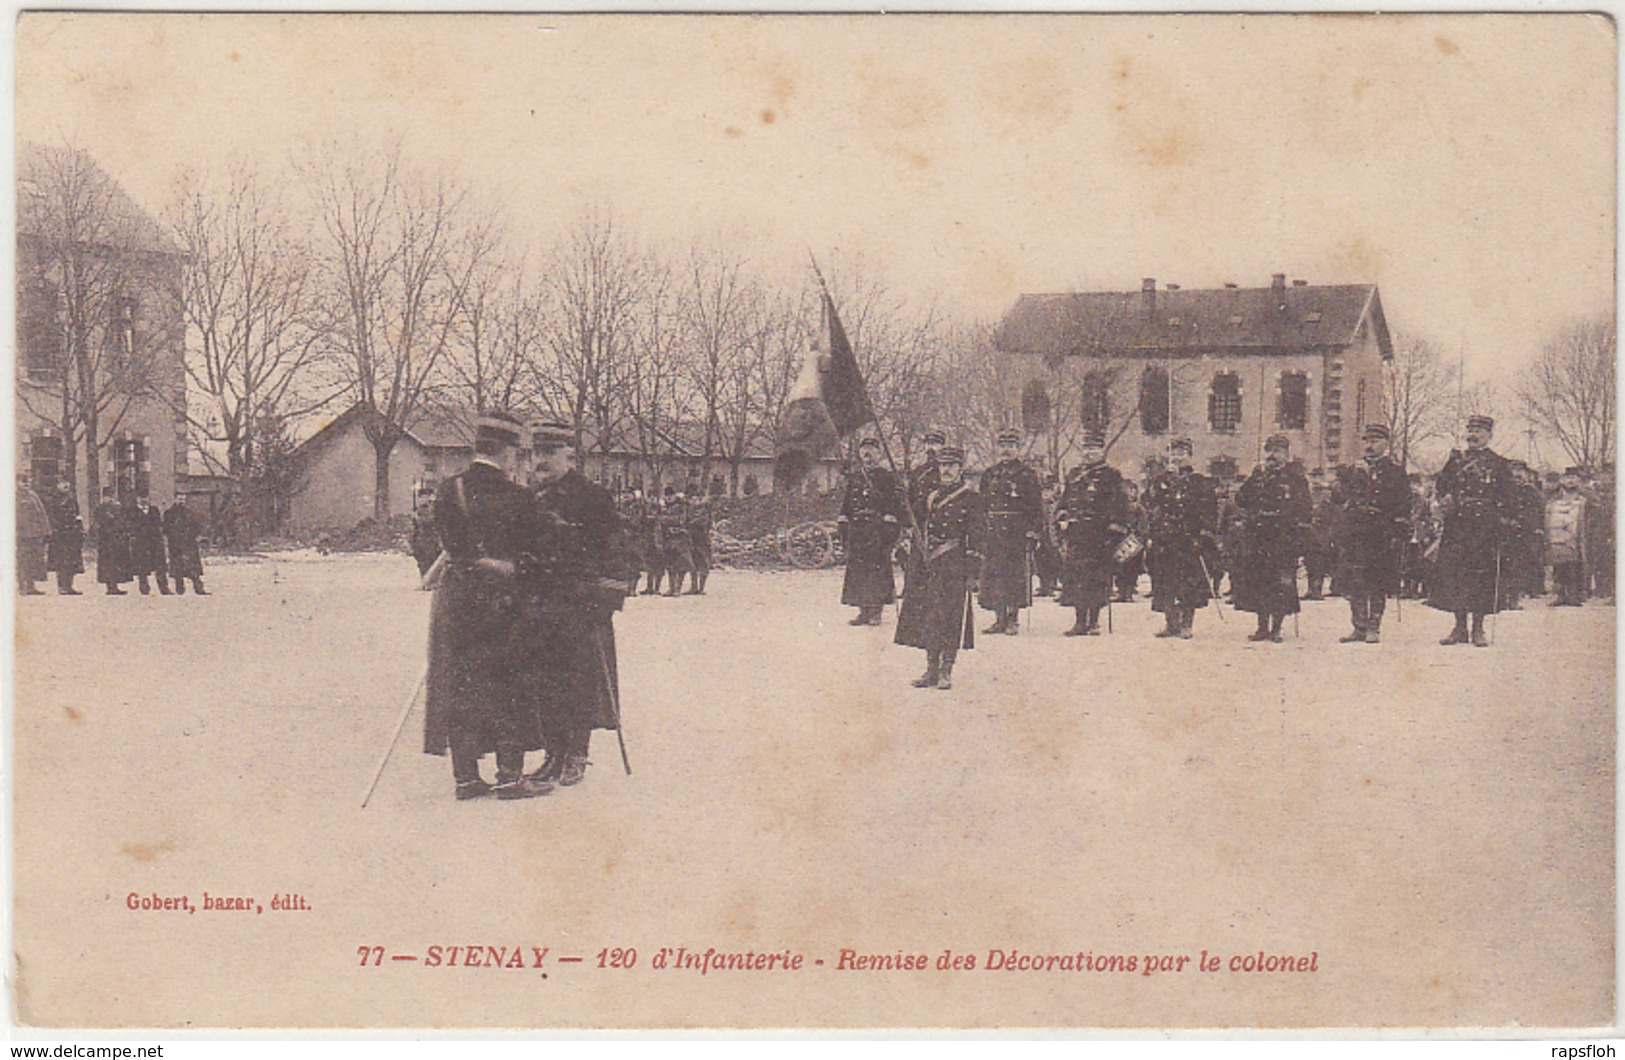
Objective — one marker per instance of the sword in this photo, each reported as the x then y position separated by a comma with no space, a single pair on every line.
614,695
1495,616
1216,601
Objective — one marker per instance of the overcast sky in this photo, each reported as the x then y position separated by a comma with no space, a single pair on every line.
1465,163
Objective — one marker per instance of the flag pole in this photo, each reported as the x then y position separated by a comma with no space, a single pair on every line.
918,538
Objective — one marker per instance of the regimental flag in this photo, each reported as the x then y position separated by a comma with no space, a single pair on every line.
827,403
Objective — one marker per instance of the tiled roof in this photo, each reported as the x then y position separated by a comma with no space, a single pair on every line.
1173,322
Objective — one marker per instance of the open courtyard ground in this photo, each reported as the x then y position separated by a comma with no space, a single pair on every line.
1409,835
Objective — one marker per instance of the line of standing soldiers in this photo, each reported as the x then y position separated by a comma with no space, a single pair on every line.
135,541
959,542
670,538
521,632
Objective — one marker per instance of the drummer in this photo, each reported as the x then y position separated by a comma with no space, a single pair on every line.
1091,522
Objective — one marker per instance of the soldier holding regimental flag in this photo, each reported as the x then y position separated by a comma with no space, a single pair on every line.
870,520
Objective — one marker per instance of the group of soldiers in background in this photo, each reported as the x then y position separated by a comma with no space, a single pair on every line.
531,564
1485,537
670,537
134,542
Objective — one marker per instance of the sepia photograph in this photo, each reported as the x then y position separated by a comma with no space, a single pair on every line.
957,522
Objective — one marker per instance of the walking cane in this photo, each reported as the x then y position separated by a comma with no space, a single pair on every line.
411,701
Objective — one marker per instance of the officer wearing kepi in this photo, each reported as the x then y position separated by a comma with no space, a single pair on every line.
935,614
1184,514
924,476
870,520
1376,527
1475,500
1275,503
475,702
1015,519
1093,520
582,572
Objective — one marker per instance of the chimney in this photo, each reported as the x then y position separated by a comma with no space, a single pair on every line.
1148,295
1278,282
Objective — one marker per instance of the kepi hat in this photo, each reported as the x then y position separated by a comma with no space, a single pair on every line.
497,427
550,434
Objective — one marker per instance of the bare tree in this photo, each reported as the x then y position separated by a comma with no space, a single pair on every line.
498,340
656,402
723,317
247,291
1569,389
398,252
92,273
1419,396
596,281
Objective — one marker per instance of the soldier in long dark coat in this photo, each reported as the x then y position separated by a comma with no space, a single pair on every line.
112,544
919,482
580,578
936,614
1375,528
185,557
698,523
1475,501
147,546
1184,513
676,546
66,553
476,703
1015,519
33,537
1093,519
1275,503
870,520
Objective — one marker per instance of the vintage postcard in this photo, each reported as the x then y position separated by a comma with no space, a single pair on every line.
821,522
